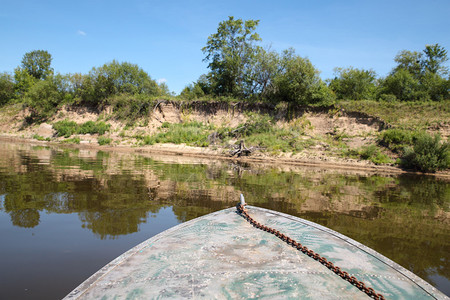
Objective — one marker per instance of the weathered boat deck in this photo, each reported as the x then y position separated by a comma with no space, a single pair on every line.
222,256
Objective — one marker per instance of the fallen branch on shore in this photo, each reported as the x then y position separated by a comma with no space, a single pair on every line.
240,150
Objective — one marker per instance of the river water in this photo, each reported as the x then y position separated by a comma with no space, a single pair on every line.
66,212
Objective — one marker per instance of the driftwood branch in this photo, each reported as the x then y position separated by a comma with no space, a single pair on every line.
240,150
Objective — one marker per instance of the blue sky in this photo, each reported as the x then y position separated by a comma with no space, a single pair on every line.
165,37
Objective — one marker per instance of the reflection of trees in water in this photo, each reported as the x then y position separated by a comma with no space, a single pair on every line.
419,191
27,218
113,222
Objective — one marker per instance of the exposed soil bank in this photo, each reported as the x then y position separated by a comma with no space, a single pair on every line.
326,129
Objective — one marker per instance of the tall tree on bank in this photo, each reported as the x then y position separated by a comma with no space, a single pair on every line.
354,84
418,76
435,58
230,53
37,63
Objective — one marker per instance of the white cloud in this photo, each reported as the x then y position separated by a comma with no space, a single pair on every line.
161,80
81,32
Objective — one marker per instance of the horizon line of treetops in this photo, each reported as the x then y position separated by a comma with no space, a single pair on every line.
240,68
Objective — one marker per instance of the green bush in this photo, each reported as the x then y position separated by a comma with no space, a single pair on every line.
402,85
429,154
299,82
116,78
75,140
130,108
40,138
91,127
374,154
371,153
354,84
66,128
397,139
102,140
190,133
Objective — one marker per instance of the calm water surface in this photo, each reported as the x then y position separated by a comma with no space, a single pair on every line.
65,213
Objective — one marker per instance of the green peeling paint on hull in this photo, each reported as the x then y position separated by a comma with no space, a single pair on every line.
222,256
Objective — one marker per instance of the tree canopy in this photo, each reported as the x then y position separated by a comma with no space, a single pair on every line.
37,63
230,53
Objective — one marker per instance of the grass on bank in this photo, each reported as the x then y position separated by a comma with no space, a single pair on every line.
417,149
67,128
371,153
415,115
189,133
102,140
259,131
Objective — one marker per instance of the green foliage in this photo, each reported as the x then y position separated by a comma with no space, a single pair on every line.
278,139
371,153
102,140
261,131
419,76
374,154
397,139
418,150
23,81
37,64
6,88
402,85
91,127
40,138
435,58
67,128
192,91
190,133
428,154
414,115
410,61
116,78
435,87
256,124
43,98
299,81
240,68
131,107
267,65
354,84
75,140
230,53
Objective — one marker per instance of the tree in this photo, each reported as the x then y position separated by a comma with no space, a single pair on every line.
354,84
6,88
23,81
435,57
266,66
44,97
230,53
410,61
419,76
299,82
37,63
118,78
402,85
192,91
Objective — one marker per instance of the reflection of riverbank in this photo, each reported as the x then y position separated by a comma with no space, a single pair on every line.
184,154
169,179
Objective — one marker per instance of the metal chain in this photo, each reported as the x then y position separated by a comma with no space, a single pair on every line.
344,275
